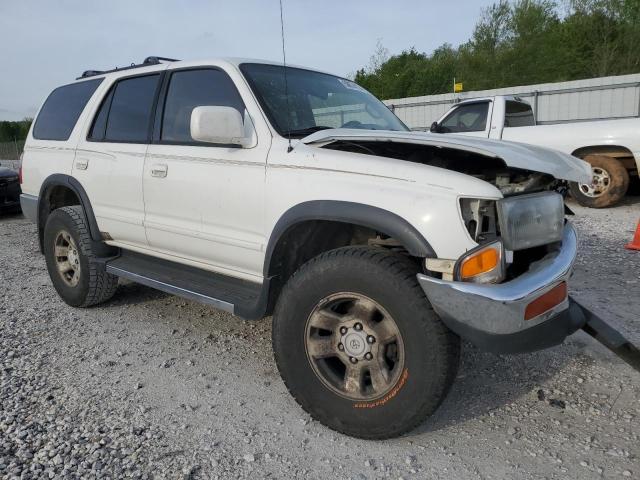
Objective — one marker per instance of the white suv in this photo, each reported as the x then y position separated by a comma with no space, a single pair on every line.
267,190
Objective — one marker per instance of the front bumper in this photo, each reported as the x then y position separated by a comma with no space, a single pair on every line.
9,195
492,316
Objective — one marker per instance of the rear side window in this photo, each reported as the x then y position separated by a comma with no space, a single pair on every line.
62,109
195,88
125,113
518,114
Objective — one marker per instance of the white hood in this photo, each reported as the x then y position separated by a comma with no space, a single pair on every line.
516,155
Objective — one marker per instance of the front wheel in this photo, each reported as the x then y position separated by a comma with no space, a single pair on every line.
359,346
610,183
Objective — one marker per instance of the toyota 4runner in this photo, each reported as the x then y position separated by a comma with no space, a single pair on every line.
268,190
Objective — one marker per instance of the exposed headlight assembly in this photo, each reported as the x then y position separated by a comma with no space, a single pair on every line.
479,217
530,220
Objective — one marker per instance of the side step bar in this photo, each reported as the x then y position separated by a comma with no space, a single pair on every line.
610,337
239,297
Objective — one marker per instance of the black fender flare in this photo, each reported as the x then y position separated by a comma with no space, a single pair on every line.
67,181
361,214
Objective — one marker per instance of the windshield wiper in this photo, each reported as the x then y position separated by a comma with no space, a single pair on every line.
303,132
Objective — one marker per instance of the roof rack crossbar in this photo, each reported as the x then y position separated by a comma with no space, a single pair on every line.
147,61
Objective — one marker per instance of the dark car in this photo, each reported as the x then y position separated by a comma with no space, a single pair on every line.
9,191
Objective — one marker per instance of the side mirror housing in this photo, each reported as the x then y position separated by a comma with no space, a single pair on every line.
221,125
435,128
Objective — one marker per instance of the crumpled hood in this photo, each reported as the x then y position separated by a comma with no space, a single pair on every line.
516,155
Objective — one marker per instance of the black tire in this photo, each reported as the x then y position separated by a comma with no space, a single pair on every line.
616,189
431,350
94,284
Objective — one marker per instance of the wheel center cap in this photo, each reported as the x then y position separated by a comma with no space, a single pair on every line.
72,257
355,343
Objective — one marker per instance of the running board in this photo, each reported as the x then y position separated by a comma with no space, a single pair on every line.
239,297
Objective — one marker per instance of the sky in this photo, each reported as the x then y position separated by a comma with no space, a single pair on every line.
48,43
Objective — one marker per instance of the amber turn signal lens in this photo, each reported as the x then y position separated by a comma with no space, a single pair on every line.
546,302
482,262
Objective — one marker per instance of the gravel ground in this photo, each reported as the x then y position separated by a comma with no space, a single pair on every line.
150,385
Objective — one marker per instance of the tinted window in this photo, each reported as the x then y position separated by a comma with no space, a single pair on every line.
518,114
100,123
195,88
61,110
467,118
130,112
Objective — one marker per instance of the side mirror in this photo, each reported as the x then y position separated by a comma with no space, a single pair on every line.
222,125
435,128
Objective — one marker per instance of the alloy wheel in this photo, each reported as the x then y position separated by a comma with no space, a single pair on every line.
354,346
67,258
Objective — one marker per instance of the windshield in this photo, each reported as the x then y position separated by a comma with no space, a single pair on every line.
316,101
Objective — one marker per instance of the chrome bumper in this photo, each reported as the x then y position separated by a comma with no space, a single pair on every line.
488,314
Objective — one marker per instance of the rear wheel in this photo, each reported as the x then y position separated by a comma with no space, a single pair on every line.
76,276
359,346
610,183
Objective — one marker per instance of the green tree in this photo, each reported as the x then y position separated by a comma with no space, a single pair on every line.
14,131
517,43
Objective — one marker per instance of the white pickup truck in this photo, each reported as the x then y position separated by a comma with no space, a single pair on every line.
612,147
374,248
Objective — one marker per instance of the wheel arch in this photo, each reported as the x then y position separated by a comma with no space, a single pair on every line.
350,213
311,228
618,152
59,190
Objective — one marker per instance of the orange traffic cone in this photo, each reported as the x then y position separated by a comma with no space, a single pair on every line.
635,243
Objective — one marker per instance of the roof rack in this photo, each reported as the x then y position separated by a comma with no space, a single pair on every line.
147,61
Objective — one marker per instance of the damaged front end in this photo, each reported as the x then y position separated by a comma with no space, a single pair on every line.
509,293
512,167
535,176
495,171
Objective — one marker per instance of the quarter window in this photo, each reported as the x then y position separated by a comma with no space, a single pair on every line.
100,122
62,109
195,88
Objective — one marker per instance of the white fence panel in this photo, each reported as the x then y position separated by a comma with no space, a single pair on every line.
580,100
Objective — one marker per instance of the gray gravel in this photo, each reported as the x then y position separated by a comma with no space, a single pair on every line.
149,385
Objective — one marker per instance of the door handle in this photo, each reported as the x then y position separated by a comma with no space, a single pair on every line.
159,170
82,164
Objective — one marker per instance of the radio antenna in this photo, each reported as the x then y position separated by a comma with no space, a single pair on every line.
286,86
